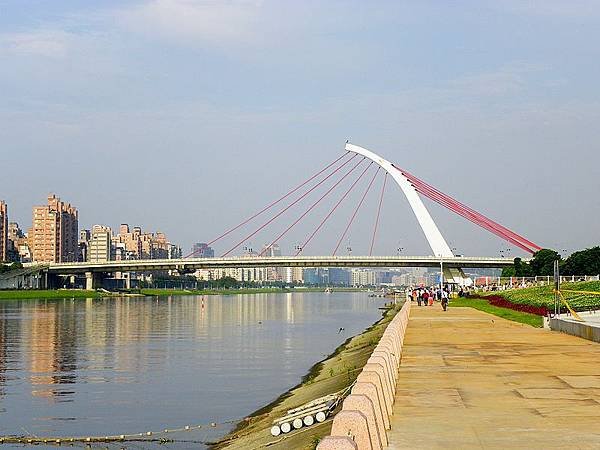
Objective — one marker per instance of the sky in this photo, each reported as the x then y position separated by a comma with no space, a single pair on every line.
187,116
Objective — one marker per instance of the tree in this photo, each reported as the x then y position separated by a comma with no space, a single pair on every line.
227,282
584,262
519,269
543,262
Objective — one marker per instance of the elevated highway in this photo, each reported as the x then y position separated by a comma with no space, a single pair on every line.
192,264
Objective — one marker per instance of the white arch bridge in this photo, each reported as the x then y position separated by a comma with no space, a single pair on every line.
411,186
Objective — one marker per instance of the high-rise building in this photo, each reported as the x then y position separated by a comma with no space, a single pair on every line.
18,244
54,232
202,250
3,231
339,277
99,246
83,244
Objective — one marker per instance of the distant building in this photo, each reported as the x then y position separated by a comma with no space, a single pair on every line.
339,277
99,246
134,244
294,275
83,243
311,276
54,232
17,244
202,250
363,277
3,231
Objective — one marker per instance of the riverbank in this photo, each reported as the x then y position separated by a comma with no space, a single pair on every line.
82,293
49,294
336,372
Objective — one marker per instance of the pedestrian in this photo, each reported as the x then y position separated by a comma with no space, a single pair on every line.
444,299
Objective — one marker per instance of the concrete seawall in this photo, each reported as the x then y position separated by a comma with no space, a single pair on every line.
590,329
365,416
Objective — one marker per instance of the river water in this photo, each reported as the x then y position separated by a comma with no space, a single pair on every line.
128,365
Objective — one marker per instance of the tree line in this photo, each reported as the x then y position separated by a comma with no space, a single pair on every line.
583,262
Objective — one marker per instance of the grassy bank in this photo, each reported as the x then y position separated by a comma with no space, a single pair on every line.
509,314
336,372
46,294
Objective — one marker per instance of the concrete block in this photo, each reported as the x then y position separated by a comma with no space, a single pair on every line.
353,424
381,417
378,357
380,369
367,376
397,350
337,443
362,403
383,347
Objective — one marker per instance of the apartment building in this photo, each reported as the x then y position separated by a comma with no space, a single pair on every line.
54,232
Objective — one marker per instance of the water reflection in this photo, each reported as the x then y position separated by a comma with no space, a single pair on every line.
106,366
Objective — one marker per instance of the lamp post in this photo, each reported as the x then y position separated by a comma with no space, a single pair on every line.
441,272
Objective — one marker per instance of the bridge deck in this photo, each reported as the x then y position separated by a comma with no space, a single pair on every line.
471,380
279,261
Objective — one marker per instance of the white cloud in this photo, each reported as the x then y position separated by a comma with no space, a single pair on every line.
47,43
194,21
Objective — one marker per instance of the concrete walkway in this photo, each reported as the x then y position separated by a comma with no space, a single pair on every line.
472,380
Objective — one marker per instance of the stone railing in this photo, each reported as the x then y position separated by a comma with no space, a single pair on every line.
365,415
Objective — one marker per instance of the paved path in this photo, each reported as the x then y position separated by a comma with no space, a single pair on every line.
472,380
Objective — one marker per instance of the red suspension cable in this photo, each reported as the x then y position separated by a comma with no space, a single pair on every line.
481,219
470,214
312,206
333,210
378,213
473,218
288,207
266,208
356,211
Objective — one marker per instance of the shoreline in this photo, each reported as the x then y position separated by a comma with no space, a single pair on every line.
335,372
33,294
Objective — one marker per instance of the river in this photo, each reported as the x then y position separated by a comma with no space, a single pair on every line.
116,366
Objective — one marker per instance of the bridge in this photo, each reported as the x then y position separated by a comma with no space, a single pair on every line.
354,158
94,271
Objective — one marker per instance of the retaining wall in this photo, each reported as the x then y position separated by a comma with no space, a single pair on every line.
363,422
580,329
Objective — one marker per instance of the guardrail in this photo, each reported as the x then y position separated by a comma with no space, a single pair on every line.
365,415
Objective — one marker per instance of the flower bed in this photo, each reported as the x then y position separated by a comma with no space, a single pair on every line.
540,299
497,300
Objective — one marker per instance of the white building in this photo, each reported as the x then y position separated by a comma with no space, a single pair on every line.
99,246
363,277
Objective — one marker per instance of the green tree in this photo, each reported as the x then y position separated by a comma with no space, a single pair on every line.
584,262
518,269
543,262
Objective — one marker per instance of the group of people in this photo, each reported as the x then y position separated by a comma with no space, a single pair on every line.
426,296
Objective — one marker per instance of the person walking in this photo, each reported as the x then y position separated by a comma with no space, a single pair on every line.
444,300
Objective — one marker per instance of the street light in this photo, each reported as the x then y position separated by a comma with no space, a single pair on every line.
441,271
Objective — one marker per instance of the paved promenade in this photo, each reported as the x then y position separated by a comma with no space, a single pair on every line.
472,380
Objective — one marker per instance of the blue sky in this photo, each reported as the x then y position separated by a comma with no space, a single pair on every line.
186,115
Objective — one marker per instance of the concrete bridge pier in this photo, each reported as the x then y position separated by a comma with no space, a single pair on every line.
93,280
